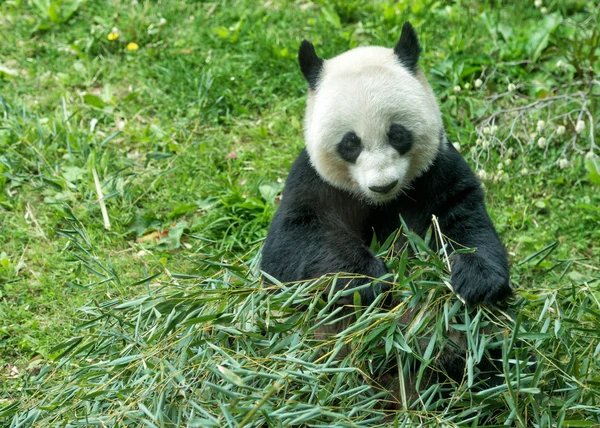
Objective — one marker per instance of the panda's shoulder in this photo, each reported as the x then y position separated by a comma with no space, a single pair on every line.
302,168
449,169
302,178
303,186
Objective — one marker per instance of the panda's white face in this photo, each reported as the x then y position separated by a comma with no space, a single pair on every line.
371,125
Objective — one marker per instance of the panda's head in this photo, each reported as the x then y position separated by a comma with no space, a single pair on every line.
372,121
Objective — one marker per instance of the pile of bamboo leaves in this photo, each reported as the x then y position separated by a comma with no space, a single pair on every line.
230,351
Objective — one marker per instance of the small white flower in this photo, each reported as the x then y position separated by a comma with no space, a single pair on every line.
93,124
485,144
161,22
478,83
457,88
482,174
560,130
452,97
500,166
537,3
507,161
524,171
560,63
487,130
120,125
473,150
456,146
232,78
509,153
540,125
544,10
511,87
590,155
563,163
580,126
478,141
494,129
541,143
467,86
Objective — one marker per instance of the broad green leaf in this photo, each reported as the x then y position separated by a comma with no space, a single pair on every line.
538,41
593,168
332,17
94,101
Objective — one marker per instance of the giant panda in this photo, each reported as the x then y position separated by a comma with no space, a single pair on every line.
376,151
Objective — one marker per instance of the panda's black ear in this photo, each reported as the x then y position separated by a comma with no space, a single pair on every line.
310,64
408,48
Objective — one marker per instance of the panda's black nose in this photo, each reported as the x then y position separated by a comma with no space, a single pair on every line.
384,189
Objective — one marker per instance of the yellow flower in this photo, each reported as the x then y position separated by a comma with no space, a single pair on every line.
132,46
113,35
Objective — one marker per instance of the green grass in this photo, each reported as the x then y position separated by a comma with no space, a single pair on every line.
160,320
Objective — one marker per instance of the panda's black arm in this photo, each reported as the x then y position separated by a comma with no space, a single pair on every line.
482,276
316,231
301,248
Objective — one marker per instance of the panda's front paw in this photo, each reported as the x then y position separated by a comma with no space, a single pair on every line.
373,269
477,280
369,294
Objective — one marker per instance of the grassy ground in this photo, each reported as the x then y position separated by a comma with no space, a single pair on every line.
184,117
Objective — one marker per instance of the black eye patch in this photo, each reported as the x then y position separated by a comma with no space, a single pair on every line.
400,138
350,147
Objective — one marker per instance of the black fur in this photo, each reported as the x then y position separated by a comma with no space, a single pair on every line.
408,48
310,64
319,229
350,147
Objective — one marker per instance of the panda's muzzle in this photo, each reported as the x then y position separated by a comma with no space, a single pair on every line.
385,188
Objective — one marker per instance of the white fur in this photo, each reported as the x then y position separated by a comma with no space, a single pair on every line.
365,90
